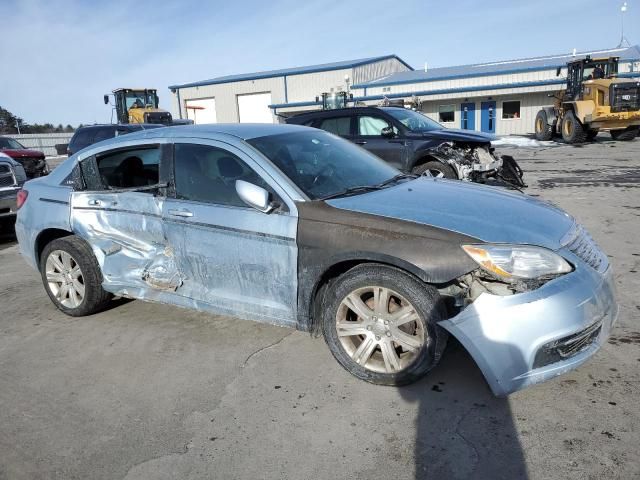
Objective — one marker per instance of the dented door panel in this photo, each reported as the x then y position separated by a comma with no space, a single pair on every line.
241,261
126,232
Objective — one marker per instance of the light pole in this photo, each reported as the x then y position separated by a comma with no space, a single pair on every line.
623,40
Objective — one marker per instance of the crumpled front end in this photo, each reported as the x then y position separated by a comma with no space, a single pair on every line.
527,338
478,163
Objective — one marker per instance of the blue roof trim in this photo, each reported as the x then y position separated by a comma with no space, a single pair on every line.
374,83
291,71
424,93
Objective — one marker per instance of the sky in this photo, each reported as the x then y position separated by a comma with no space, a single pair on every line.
59,57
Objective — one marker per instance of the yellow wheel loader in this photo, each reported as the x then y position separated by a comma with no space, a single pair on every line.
594,100
138,105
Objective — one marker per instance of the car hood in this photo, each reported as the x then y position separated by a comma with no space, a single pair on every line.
489,214
23,153
457,135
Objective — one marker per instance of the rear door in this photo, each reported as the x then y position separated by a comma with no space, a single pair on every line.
341,125
369,135
117,208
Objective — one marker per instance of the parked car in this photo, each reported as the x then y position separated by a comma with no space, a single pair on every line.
90,134
12,177
414,143
297,227
33,161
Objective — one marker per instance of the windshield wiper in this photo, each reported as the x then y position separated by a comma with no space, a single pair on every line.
368,188
351,191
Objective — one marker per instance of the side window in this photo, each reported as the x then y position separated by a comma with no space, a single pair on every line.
208,174
82,139
132,168
371,126
103,134
337,125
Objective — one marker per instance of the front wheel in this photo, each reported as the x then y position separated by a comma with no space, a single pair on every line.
72,277
381,325
436,169
572,129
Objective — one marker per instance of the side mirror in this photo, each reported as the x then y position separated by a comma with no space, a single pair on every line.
106,99
387,132
255,196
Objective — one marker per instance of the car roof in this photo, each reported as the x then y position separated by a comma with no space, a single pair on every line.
133,126
244,131
334,111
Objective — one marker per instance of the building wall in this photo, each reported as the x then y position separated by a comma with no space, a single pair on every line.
371,71
530,104
225,96
305,87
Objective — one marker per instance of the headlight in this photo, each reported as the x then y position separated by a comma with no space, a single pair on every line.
518,262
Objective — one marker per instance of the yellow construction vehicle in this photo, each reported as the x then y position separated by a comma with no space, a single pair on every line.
138,105
594,100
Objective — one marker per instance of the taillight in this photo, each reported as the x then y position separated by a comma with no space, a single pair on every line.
21,198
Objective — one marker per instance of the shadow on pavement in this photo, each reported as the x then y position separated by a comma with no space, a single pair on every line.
462,429
7,233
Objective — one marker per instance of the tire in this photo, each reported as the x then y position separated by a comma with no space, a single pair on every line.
401,363
72,255
572,129
625,135
591,134
543,130
437,169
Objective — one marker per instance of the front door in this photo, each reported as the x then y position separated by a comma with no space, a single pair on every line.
369,135
488,117
468,116
118,211
233,258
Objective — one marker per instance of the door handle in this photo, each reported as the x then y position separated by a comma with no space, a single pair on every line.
180,213
361,142
94,203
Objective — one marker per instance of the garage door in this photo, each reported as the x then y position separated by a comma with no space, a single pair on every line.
254,108
202,110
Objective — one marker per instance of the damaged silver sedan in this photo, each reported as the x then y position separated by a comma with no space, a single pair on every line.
296,227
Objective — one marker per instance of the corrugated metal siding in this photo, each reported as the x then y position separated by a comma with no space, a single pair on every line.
375,70
305,87
225,96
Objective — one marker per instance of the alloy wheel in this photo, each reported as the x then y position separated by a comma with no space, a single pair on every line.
379,329
65,279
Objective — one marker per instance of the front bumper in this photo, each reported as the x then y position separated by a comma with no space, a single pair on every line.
8,202
505,334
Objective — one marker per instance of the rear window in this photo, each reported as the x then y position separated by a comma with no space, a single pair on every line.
81,139
138,167
103,134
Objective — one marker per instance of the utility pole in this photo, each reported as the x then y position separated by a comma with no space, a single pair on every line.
623,40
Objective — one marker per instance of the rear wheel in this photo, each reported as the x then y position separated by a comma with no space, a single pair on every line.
436,169
625,135
72,277
544,131
572,129
381,324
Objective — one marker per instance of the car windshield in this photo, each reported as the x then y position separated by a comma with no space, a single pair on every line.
321,164
414,121
9,144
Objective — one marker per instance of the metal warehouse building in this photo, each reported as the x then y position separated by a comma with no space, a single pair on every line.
500,97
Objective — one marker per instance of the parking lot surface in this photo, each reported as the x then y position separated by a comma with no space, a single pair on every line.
145,391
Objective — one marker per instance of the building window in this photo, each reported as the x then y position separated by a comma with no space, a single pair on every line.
446,113
511,109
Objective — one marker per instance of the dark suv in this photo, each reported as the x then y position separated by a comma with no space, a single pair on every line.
85,136
412,142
